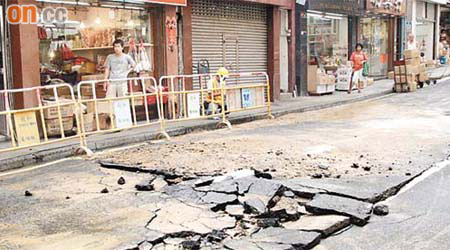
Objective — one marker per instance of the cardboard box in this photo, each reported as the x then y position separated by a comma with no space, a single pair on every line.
53,126
414,53
413,62
397,70
412,86
138,101
403,79
312,78
422,68
105,122
398,79
423,77
410,78
402,69
405,88
95,77
412,69
430,63
52,112
62,91
86,90
104,107
391,75
370,81
88,120
398,88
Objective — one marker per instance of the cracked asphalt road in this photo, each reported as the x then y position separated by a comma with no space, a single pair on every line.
398,135
418,220
395,136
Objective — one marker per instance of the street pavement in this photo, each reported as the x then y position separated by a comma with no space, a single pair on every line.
328,169
418,220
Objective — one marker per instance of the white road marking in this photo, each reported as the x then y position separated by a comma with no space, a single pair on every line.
26,169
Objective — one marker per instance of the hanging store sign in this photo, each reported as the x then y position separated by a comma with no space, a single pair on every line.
345,7
392,7
169,2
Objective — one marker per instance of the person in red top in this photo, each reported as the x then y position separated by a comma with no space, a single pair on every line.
358,58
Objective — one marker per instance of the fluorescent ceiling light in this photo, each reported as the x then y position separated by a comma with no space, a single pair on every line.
63,2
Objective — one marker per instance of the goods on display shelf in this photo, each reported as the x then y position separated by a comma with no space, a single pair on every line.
80,47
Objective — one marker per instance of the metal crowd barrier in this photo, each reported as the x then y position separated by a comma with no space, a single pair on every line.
44,124
113,113
52,121
236,95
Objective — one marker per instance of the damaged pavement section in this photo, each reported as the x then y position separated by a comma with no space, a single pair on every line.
244,210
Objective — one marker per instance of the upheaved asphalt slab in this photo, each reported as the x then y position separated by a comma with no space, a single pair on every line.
419,219
67,207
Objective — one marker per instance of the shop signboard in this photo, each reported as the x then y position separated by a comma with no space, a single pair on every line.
392,7
122,114
169,2
246,98
345,7
26,128
193,105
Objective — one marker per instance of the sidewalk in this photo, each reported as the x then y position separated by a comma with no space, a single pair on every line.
40,154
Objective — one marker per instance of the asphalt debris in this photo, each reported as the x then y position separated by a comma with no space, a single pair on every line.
121,181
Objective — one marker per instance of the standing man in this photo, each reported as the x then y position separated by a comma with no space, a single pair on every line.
117,66
411,43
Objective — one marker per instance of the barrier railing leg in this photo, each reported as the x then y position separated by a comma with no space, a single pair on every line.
224,122
162,124
83,148
269,103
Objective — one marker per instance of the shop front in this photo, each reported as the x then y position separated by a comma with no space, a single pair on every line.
331,36
243,36
377,33
76,50
424,17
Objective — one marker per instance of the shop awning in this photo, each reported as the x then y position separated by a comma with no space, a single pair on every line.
170,2
444,2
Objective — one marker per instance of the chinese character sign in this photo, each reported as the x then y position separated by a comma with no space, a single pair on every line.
26,128
246,98
193,105
122,114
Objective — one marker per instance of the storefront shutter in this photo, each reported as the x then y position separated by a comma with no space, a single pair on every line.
244,28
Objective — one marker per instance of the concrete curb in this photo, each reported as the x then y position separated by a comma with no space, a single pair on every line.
61,152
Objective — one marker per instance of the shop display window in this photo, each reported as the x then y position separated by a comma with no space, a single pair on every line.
374,37
80,45
327,40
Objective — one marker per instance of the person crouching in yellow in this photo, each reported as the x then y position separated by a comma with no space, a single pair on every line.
213,101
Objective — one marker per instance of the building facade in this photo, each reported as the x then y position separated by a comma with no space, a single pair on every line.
177,35
331,29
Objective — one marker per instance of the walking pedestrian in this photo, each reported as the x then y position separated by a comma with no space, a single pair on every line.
443,49
358,58
117,66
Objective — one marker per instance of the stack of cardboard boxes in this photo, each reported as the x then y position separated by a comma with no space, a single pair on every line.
319,82
104,108
51,116
406,75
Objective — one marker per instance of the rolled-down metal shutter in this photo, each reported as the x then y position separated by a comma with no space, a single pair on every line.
243,27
